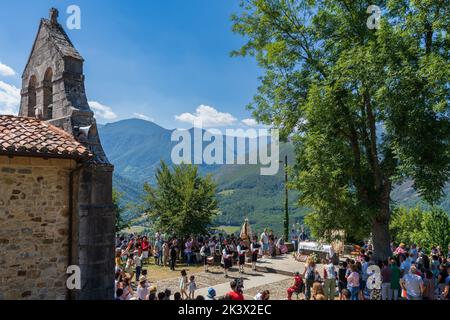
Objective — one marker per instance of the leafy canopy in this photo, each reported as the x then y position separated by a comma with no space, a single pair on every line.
367,108
428,228
182,203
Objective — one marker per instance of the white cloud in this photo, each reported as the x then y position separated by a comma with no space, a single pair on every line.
6,71
101,111
9,99
209,117
250,122
143,117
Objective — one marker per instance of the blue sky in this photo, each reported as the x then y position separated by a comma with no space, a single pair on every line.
165,60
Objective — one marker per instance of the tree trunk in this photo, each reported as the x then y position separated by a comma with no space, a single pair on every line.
381,240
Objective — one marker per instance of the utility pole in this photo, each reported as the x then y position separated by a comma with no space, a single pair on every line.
286,202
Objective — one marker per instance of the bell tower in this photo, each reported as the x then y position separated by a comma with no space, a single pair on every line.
53,86
53,90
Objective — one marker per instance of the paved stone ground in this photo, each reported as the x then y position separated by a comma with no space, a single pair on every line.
273,274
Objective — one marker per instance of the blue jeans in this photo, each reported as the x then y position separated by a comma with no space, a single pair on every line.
354,293
138,273
188,258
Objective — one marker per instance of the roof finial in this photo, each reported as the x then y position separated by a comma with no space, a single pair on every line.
54,16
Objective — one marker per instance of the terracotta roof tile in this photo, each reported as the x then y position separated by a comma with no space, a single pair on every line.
29,136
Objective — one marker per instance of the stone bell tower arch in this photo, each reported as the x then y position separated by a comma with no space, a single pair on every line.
53,90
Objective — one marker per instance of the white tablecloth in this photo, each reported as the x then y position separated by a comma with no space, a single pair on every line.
315,246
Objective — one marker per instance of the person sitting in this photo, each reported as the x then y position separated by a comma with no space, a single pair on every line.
297,286
281,246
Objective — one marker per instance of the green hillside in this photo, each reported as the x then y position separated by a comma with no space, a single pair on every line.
135,147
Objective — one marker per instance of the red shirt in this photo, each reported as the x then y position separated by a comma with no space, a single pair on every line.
145,245
236,295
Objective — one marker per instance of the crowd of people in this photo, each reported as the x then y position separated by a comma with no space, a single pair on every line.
133,252
410,273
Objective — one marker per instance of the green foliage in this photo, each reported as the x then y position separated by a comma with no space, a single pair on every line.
368,108
436,229
406,225
182,203
427,228
119,210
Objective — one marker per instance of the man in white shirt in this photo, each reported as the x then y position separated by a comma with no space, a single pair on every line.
329,285
264,239
412,284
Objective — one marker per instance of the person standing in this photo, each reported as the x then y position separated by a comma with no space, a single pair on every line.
184,284
294,239
192,287
158,251
254,248
446,293
188,251
428,286
145,245
166,253
385,281
412,284
264,240
242,251
330,280
205,252
342,279
353,282
442,276
173,255
227,256
395,280
138,264
309,275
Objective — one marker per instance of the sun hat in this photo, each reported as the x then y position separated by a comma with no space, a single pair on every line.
211,292
142,278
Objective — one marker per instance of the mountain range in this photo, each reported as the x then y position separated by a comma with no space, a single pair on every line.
136,147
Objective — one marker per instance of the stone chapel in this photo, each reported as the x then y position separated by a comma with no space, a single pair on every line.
55,181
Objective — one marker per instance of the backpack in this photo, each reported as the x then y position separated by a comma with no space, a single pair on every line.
310,275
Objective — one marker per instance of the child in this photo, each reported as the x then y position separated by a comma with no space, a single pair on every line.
192,288
183,284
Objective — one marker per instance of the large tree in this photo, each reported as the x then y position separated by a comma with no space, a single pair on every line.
367,107
182,203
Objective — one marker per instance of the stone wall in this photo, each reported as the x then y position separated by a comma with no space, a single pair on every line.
34,224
